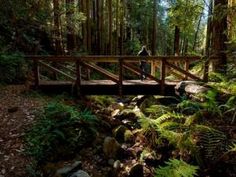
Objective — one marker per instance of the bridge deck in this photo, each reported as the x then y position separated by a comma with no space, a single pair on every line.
108,87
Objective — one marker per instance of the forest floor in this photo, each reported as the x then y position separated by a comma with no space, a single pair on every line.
16,115
18,112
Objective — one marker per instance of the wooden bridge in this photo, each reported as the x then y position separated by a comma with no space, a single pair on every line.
93,74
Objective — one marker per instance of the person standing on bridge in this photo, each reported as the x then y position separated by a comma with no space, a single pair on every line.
143,63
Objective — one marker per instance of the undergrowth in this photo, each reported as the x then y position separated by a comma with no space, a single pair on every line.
60,132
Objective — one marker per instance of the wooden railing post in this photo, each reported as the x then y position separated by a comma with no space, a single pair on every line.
120,76
78,77
36,73
163,75
186,68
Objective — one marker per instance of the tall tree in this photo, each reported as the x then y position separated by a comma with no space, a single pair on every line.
57,31
70,12
110,26
154,32
219,33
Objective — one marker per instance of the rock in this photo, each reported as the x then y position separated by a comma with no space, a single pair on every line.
119,106
110,147
130,114
115,113
190,88
136,170
13,109
119,133
69,169
117,164
80,173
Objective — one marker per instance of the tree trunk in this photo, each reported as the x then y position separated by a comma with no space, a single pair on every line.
71,40
89,39
220,35
154,30
56,13
84,26
197,31
176,41
122,10
110,27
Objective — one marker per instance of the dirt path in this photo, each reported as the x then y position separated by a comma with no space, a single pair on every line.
16,115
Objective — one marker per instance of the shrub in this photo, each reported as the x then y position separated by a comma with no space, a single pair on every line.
12,68
60,133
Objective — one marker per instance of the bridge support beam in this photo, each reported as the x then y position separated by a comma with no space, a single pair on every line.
120,76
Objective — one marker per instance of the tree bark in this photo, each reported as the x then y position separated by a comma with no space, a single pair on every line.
110,27
220,35
154,30
176,41
56,13
71,40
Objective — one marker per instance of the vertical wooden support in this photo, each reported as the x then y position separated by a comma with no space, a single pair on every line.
78,77
206,70
36,73
186,68
163,75
120,76
153,64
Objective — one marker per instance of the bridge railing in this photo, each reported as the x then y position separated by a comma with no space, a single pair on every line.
175,65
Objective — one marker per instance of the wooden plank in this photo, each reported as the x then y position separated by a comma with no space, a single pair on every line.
183,71
106,73
110,59
56,70
186,68
138,71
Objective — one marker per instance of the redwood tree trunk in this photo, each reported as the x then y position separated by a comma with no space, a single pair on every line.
71,42
58,45
154,30
110,27
219,36
176,41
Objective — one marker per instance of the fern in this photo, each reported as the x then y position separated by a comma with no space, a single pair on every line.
176,168
211,142
232,148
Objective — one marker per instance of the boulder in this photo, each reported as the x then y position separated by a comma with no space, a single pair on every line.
69,169
110,147
136,170
80,173
190,88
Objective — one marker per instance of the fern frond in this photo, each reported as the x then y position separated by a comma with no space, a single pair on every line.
210,141
176,168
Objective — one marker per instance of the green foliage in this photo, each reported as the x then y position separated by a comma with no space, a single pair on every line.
102,100
176,168
223,83
60,132
12,68
133,46
211,142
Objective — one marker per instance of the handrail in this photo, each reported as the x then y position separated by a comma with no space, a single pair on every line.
112,58
124,62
